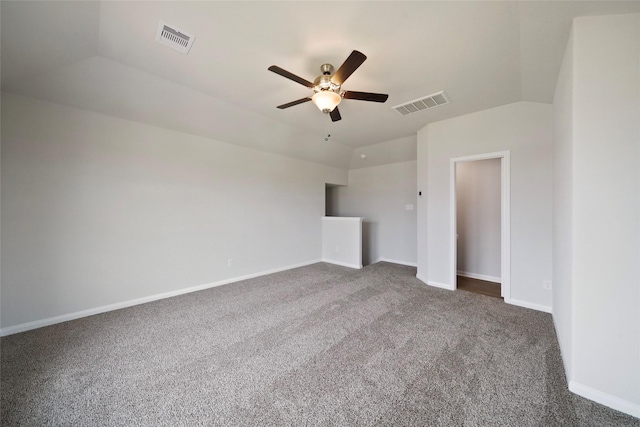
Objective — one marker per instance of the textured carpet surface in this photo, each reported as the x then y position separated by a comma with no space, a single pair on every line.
316,346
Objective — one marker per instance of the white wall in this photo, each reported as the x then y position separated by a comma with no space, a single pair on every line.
602,132
381,194
523,128
98,210
400,150
478,218
342,241
563,207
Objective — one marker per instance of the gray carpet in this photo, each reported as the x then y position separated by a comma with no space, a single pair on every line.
315,346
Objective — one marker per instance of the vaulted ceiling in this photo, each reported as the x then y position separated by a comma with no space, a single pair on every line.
102,57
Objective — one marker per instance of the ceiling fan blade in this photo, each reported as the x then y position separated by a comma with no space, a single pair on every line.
335,115
292,103
366,96
350,65
290,76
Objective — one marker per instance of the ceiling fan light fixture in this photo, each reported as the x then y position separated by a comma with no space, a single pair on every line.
326,100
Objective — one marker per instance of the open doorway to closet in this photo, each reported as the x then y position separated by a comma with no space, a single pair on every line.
480,223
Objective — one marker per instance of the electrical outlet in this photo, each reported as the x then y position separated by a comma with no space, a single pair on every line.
337,249
230,262
546,284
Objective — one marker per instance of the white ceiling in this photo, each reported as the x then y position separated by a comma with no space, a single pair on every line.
102,57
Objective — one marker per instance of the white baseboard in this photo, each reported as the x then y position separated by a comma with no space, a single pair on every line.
613,402
440,285
23,327
520,303
434,284
395,261
479,276
343,264
564,352
421,278
533,306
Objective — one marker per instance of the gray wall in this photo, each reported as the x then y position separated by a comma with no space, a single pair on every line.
395,151
381,194
523,128
597,214
563,208
98,210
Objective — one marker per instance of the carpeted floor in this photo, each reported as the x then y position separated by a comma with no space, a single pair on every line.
316,346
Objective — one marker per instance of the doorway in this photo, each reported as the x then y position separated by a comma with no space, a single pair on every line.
480,223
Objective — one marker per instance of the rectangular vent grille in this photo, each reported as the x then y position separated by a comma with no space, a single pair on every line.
174,38
425,103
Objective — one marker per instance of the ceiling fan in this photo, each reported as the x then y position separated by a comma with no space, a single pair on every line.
327,87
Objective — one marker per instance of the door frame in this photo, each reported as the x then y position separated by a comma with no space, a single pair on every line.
505,217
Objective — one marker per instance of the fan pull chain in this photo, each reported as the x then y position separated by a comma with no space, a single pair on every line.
326,133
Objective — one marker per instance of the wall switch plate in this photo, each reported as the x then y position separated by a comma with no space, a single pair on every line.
408,207
546,284
230,262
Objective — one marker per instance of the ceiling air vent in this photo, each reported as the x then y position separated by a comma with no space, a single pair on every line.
425,103
174,38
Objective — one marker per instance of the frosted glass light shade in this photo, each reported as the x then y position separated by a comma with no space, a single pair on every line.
326,100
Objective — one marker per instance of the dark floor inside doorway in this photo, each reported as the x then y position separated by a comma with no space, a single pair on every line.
483,287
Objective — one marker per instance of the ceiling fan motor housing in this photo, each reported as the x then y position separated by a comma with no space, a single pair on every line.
326,69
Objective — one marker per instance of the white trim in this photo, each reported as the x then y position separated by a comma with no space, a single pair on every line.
563,352
395,261
23,327
479,276
343,264
344,218
434,284
440,285
453,224
421,278
613,402
525,304
505,231
505,220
